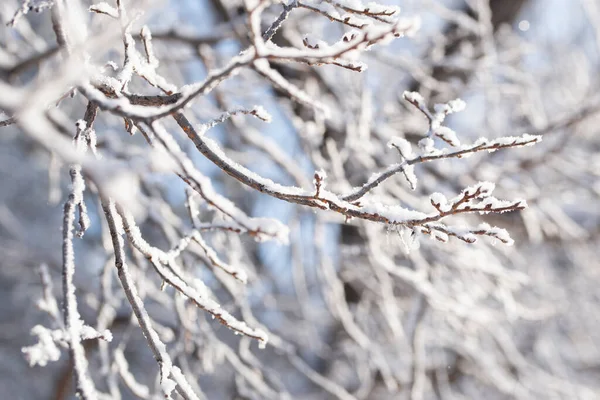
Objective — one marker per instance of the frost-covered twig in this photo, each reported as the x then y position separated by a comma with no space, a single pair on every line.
346,21
254,55
27,6
437,117
328,200
481,144
169,257
257,112
378,12
299,95
359,41
260,228
72,320
160,260
104,8
237,273
287,9
158,348
48,302
138,389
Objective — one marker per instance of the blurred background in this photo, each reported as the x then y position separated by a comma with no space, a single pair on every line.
354,309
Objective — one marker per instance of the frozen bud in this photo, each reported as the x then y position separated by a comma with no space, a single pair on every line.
349,36
426,145
403,146
486,189
262,114
414,98
440,202
320,175
447,135
457,105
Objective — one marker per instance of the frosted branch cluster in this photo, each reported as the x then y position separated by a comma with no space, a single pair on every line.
190,183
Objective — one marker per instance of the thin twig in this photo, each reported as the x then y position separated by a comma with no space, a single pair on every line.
156,345
377,179
72,320
287,9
